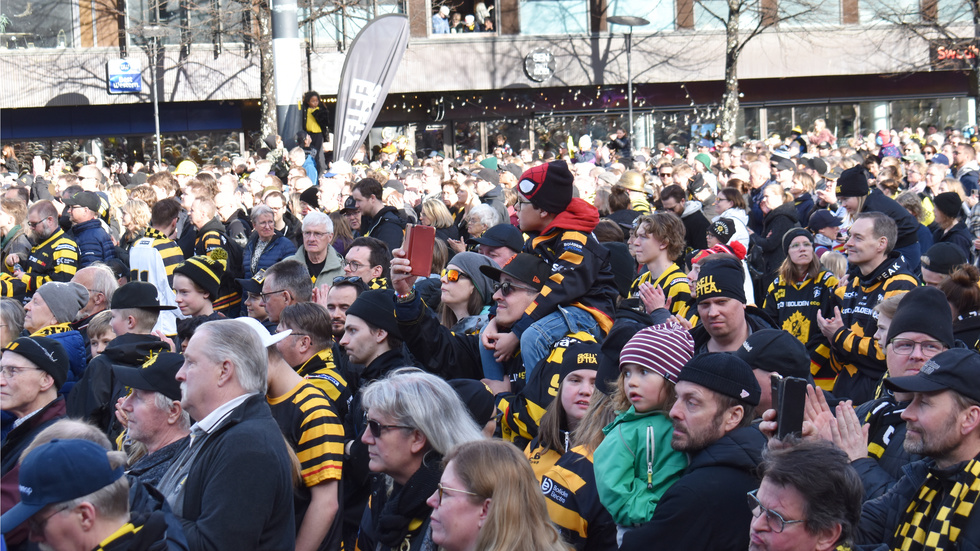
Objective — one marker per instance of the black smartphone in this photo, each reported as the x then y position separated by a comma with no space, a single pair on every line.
788,399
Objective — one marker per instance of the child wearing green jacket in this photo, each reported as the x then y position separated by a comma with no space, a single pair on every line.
635,463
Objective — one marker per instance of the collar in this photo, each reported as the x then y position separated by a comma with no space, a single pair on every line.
213,419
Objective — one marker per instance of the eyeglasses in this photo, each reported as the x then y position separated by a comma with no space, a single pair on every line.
34,225
906,346
452,275
521,202
265,296
315,234
776,521
376,428
506,288
11,371
441,490
353,265
38,526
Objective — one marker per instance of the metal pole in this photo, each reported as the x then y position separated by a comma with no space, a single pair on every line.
156,102
629,78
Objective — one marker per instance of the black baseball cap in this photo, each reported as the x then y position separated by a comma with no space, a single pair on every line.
524,267
87,199
253,284
349,204
157,374
502,235
823,219
955,369
776,350
138,294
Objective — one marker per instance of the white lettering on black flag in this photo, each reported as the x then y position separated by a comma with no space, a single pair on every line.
368,71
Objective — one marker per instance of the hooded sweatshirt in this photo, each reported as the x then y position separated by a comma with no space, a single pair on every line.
94,397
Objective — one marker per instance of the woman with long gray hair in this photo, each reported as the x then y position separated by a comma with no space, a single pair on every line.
412,420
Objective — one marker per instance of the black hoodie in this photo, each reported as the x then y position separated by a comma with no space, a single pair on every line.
386,226
719,476
94,397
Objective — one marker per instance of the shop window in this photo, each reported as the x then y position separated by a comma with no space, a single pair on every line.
544,17
32,24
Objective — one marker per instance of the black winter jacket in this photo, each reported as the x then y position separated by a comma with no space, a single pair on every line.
718,477
908,226
776,223
887,436
94,397
386,226
880,517
239,491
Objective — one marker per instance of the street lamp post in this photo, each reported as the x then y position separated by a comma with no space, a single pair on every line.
629,21
154,32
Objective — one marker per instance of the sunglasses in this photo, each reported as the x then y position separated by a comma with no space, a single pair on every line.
506,288
377,428
452,275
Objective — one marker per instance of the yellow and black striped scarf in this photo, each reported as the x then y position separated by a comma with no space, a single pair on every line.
934,519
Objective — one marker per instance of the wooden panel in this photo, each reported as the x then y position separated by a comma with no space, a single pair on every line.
418,18
685,14
849,12
85,24
510,17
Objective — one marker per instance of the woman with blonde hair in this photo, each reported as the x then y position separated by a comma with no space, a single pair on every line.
489,500
435,213
135,219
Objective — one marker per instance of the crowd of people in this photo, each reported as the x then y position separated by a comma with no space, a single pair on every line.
240,354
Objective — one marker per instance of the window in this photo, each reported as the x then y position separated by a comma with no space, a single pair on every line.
32,24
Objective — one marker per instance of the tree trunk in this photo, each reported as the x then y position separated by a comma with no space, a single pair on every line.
729,108
268,122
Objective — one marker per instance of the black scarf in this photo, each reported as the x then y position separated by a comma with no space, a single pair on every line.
407,503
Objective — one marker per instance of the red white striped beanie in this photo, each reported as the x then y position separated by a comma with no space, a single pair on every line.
663,348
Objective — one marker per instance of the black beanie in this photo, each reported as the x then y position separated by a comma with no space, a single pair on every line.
723,229
721,277
309,196
725,374
477,397
548,186
853,182
377,308
46,353
206,271
943,258
924,310
792,234
948,203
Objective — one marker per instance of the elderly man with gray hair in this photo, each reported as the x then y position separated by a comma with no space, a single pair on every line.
317,252
232,486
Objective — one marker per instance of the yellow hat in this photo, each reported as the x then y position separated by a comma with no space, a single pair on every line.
186,168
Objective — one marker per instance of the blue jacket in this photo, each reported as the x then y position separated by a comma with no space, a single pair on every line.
280,248
77,351
94,243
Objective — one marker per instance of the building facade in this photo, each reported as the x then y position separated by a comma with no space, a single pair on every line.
540,71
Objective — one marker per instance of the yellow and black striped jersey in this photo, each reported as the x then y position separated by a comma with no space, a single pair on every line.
56,259
312,428
570,492
676,287
322,372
